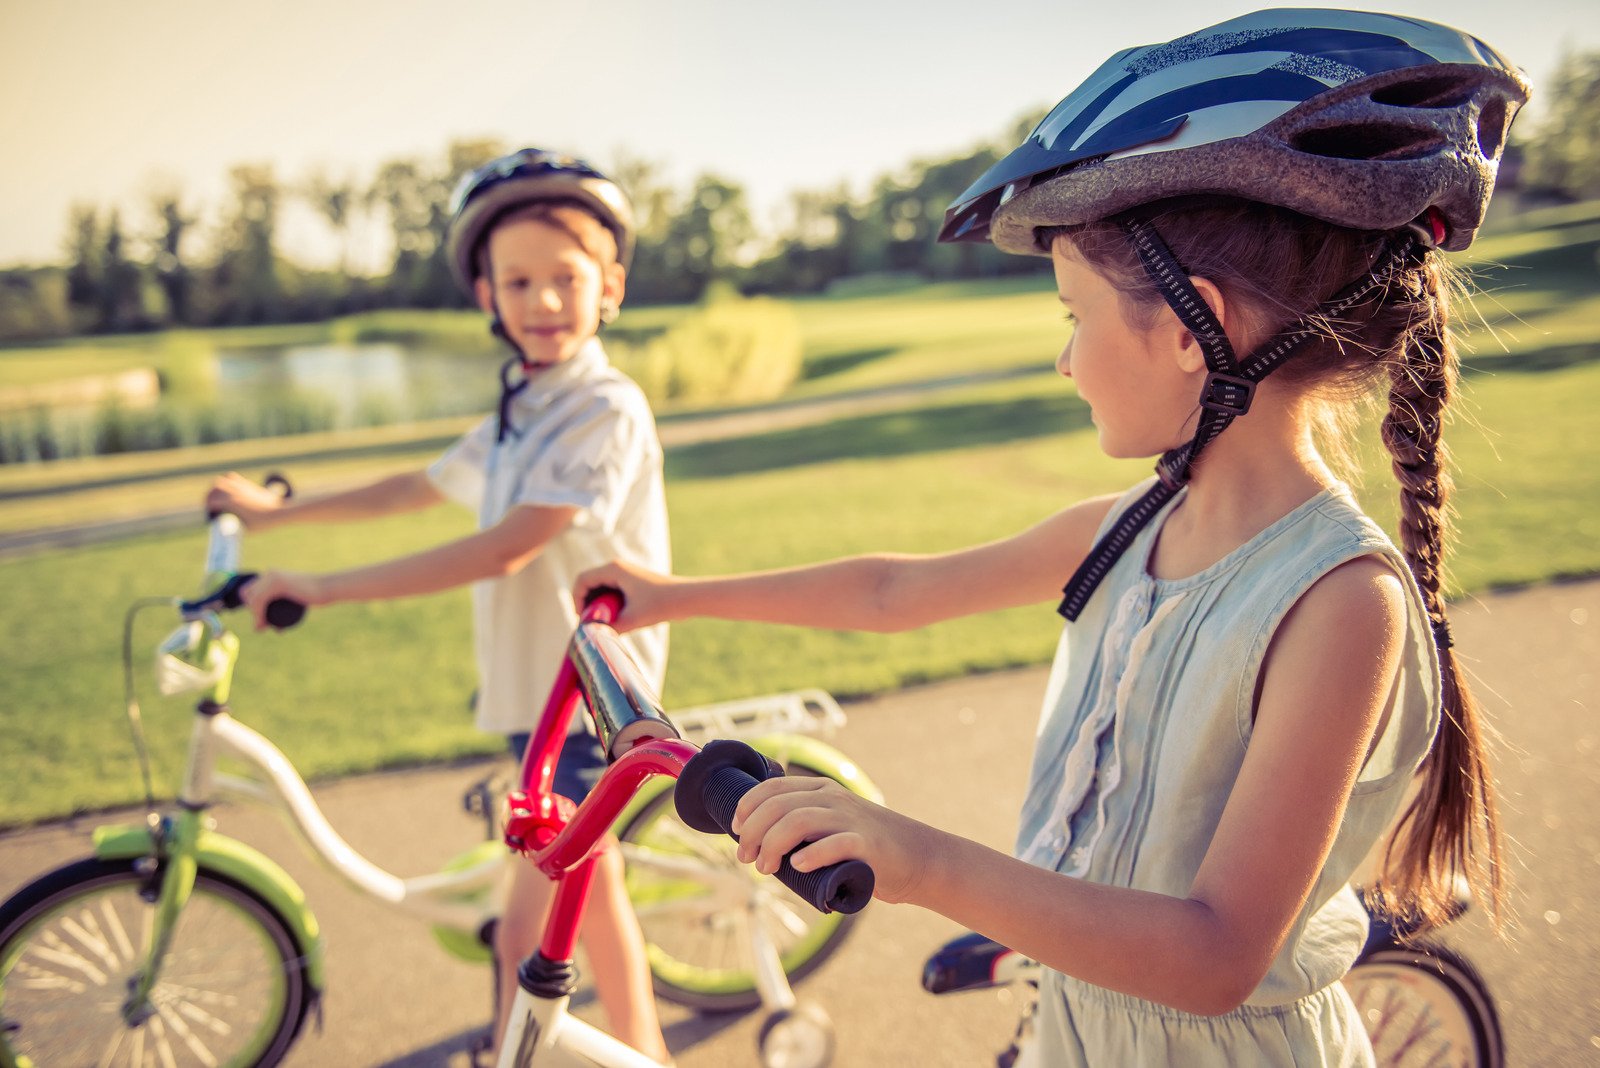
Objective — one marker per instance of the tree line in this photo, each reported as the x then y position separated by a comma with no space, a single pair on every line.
169,269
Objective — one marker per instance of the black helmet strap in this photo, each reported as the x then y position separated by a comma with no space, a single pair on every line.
508,394
1229,386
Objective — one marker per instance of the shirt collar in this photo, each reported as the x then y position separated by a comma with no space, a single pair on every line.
545,383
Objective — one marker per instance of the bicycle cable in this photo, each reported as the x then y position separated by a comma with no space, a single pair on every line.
131,698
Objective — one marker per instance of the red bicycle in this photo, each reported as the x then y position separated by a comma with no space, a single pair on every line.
561,840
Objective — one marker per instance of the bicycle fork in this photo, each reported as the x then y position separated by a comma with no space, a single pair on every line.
172,868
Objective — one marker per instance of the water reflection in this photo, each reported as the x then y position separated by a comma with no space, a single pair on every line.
362,384
233,394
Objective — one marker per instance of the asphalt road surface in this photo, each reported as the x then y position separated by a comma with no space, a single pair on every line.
955,754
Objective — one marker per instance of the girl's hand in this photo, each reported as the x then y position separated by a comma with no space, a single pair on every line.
647,596
779,814
256,506
269,586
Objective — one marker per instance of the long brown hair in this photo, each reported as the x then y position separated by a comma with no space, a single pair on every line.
1276,266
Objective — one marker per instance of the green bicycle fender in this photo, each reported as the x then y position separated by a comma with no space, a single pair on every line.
812,752
818,755
244,865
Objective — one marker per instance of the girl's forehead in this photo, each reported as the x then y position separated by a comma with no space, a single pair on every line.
1071,267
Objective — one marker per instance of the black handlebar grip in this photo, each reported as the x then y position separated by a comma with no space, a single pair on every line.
275,478
283,613
709,790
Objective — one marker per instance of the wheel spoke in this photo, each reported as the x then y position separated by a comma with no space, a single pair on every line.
231,989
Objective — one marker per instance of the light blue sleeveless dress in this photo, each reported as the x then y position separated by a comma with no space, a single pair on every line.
1146,719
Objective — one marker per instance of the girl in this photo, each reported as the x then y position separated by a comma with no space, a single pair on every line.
1251,672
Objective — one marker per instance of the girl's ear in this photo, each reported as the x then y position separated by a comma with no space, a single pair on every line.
1189,353
485,294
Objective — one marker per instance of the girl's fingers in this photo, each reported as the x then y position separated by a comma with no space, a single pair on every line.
785,814
771,789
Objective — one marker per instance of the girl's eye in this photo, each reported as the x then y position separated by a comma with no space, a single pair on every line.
1069,318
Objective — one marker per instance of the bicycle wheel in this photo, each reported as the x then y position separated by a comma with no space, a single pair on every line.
232,989
698,907
1425,1005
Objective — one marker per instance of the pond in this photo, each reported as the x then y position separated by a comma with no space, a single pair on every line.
233,394
359,384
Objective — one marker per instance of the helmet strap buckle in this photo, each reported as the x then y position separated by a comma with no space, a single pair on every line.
1227,394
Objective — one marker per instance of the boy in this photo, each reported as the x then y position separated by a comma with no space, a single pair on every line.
565,476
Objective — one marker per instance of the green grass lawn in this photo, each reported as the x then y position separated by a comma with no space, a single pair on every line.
360,687
366,686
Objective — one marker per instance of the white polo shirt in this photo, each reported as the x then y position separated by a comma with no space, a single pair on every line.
581,435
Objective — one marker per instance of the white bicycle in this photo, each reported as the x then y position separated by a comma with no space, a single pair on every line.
175,945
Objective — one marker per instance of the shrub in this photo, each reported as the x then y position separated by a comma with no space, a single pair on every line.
731,350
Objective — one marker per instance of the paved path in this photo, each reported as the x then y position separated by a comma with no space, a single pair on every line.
954,754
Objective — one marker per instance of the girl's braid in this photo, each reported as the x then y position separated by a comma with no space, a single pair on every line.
1450,827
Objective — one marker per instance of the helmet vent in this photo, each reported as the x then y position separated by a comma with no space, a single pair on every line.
1493,123
1374,141
1445,90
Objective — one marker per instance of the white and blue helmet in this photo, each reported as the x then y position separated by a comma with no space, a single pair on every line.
1360,119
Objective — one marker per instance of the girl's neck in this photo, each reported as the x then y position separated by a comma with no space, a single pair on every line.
1256,472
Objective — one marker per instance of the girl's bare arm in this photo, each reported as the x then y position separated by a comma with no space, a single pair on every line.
1325,685
880,592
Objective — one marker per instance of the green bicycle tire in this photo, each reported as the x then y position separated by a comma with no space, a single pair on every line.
233,989
699,956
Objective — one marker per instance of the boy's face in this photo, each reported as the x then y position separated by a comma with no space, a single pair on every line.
547,288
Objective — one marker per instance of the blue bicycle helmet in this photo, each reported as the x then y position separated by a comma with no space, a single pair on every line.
1360,119
1368,121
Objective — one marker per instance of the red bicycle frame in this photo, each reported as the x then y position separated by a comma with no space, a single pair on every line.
560,838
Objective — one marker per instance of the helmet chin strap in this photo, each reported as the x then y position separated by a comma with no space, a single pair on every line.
1230,384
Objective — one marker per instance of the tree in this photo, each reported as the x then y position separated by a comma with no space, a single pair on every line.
120,300
705,241
1563,155
172,274
247,287
83,262
336,200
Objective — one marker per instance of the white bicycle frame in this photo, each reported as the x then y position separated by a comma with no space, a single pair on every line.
436,897
465,899
542,1031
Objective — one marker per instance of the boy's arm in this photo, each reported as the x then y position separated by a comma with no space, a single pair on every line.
497,551
882,592
260,508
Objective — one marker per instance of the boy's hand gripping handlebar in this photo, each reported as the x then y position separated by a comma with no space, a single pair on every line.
708,792
282,612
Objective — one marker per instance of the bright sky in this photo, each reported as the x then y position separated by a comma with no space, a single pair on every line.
102,99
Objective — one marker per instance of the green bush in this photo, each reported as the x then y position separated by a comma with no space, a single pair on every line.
731,350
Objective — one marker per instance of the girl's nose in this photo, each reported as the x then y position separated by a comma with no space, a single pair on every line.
1064,362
